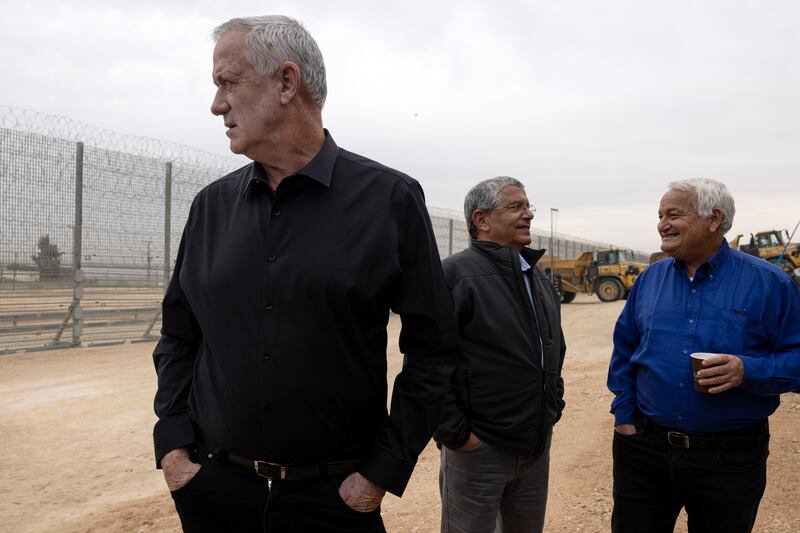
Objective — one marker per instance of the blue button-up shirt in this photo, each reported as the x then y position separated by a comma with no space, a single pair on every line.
736,304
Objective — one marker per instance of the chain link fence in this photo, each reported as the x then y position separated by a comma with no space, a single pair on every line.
91,221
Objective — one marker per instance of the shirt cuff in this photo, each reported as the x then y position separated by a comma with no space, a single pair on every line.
172,433
623,414
386,471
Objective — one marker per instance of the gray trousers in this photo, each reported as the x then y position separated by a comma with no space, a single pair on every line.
487,490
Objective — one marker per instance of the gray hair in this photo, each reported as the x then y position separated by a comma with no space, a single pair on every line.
273,39
709,194
484,197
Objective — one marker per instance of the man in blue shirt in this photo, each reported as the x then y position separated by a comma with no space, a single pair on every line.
673,446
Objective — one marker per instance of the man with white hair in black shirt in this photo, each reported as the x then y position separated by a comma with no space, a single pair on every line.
272,362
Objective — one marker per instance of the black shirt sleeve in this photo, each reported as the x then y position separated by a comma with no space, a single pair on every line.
429,341
174,357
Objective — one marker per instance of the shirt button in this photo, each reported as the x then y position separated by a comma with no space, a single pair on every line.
268,307
271,258
267,356
686,351
691,321
680,418
694,291
680,385
276,213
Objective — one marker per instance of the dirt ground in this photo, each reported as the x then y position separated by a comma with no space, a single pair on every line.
77,451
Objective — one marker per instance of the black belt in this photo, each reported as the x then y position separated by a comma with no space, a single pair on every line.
287,472
730,440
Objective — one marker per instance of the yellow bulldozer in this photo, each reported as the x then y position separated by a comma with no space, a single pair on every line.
776,247
608,273
657,256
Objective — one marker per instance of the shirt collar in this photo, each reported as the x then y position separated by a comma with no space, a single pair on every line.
524,266
320,168
716,261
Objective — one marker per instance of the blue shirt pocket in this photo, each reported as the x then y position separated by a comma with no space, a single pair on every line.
736,334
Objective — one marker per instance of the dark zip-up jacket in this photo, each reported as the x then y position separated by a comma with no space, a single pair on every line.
500,390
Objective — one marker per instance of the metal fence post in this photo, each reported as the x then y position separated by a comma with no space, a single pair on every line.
77,249
450,240
167,220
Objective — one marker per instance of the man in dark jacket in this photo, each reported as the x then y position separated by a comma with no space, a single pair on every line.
507,389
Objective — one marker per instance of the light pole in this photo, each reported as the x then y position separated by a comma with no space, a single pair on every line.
553,215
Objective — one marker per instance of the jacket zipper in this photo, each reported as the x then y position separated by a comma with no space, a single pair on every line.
543,412
540,440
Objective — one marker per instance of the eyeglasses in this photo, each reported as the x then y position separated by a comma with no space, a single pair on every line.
518,207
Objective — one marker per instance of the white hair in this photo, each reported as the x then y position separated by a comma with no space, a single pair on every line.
273,39
709,194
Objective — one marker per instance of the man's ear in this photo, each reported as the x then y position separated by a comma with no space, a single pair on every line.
481,220
289,78
716,220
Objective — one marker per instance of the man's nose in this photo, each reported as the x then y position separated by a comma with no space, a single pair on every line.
219,106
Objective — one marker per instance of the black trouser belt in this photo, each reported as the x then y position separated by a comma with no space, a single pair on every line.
729,440
288,472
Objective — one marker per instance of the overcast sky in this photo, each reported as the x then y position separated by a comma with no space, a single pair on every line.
594,105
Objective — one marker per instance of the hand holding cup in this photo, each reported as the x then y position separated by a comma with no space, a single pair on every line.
716,372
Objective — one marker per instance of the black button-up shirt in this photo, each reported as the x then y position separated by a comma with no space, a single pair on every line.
273,343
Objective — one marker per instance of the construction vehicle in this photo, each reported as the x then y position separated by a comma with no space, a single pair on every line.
779,250
608,273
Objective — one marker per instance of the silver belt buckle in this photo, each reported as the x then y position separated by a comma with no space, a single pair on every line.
257,464
678,439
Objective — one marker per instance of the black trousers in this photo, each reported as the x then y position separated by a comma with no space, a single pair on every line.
226,498
719,488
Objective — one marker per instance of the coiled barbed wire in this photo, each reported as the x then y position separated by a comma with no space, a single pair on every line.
74,130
